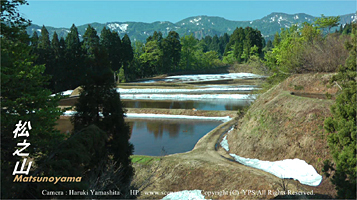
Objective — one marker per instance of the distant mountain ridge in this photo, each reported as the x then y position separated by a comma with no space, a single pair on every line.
200,26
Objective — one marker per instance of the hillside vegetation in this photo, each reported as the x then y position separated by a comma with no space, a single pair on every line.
280,125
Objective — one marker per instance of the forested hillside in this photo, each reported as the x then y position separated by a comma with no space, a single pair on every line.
199,26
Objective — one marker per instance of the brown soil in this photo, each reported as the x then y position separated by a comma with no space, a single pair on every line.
68,101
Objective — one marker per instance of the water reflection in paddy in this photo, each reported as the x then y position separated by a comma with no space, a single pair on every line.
150,137
199,105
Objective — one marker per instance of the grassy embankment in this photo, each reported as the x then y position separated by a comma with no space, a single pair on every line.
287,122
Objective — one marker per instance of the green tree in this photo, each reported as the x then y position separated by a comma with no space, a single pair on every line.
276,40
44,55
74,59
214,46
171,48
327,22
111,42
90,43
12,23
100,104
136,69
121,75
34,41
44,40
223,41
269,45
57,63
23,97
151,58
189,46
127,49
342,127
229,58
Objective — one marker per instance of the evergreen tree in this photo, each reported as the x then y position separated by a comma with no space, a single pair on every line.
276,40
208,40
214,46
111,42
327,22
90,43
57,63
100,104
202,45
127,51
136,68
34,42
74,59
23,97
269,45
342,128
44,52
223,41
44,40
171,48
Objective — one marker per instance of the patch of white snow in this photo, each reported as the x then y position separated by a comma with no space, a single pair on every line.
186,97
205,77
115,26
161,116
201,90
289,168
67,92
198,19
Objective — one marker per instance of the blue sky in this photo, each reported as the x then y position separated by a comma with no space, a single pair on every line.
66,12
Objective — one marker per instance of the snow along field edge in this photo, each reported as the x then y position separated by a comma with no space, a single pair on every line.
162,116
289,168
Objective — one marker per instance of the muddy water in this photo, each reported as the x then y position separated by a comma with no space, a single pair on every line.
199,105
159,137
150,136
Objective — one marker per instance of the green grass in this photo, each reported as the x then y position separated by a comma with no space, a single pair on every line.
143,159
298,87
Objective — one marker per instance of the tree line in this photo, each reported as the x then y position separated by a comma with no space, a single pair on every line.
66,59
